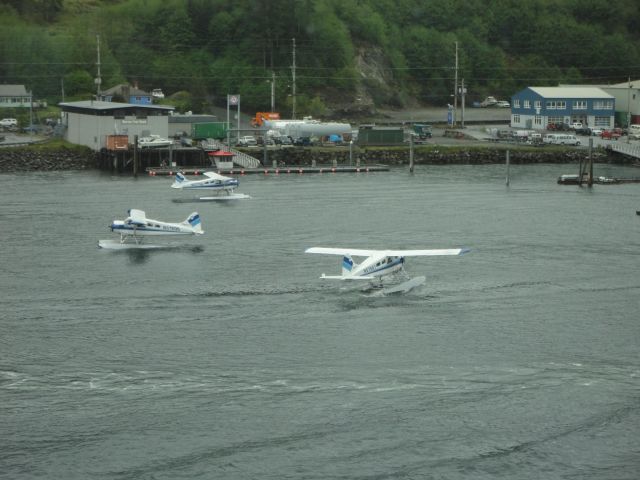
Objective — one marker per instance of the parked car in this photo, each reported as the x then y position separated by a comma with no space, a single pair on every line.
610,135
302,142
586,131
285,141
596,132
247,141
560,127
8,122
576,125
265,140
503,104
488,102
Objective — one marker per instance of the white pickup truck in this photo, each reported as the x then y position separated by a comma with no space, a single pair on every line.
8,122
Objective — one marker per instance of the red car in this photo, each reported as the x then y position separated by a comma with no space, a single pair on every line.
610,135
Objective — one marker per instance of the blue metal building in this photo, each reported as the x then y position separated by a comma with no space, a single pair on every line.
537,107
130,94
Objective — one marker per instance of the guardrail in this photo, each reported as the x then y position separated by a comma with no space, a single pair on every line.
625,149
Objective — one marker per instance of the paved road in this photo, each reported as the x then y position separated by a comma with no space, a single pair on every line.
439,115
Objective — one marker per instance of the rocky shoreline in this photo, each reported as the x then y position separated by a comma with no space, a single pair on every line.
473,156
25,160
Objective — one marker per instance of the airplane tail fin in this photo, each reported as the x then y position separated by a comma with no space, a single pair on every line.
347,265
194,221
179,178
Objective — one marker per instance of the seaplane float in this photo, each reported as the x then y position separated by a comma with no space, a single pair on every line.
137,227
383,269
223,188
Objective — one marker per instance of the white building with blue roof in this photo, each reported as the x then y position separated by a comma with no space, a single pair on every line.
537,107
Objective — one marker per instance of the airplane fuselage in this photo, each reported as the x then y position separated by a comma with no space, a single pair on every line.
209,184
373,267
151,227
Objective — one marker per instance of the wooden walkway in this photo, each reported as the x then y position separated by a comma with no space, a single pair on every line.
267,170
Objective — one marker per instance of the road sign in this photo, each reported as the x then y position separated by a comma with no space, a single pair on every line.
233,99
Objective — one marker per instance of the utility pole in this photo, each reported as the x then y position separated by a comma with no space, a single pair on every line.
628,109
293,85
463,91
98,78
455,91
273,91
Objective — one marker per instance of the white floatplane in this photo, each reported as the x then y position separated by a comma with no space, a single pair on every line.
214,182
137,226
381,266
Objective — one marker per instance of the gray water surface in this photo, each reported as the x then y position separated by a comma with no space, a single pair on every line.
231,359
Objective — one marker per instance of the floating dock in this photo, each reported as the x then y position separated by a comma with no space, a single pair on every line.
153,171
575,180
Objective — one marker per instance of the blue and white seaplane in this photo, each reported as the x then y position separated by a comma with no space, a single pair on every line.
381,267
137,227
222,186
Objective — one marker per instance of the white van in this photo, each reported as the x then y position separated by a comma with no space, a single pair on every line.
634,131
561,139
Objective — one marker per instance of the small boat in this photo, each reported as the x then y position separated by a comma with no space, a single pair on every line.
154,141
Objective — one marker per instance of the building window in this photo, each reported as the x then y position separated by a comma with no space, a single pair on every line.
537,120
561,105
537,104
602,121
556,119
527,104
551,105
603,105
516,118
580,105
516,103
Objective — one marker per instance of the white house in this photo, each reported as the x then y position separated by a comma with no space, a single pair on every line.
14,96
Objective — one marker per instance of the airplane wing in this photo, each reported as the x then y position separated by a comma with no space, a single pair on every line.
358,252
216,176
137,217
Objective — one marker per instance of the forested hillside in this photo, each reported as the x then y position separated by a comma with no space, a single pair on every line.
350,55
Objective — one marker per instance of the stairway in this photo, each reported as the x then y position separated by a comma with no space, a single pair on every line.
240,158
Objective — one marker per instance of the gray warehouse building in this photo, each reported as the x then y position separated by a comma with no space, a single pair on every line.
91,122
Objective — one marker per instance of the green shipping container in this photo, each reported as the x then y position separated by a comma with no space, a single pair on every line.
380,136
201,131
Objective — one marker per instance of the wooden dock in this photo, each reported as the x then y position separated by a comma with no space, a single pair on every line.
291,169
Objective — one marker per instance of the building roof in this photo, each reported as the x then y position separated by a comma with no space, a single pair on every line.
634,84
571,92
177,118
13,91
96,105
125,88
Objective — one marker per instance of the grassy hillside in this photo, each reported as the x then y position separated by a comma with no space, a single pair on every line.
351,55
